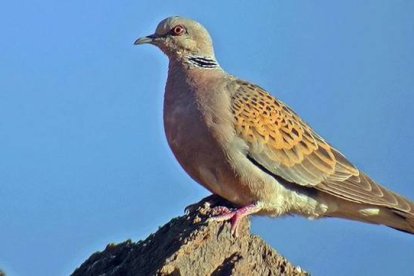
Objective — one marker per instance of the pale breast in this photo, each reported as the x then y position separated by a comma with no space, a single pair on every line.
198,126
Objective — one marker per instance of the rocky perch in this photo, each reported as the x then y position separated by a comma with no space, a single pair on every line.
188,245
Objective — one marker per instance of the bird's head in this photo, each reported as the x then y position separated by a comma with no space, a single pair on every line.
177,37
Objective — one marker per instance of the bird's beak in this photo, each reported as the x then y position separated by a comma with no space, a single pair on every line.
145,40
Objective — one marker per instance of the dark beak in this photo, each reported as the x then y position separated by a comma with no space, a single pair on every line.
145,40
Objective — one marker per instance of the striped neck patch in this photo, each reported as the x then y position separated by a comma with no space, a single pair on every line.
203,62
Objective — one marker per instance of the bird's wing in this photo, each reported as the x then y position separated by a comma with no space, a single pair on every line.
284,145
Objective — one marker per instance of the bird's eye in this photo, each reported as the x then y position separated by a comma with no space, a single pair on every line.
178,30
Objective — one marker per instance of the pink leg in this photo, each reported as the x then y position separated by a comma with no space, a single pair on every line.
236,215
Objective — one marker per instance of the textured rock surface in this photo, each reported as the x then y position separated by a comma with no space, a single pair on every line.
188,245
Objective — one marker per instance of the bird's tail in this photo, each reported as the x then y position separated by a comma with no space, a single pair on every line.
405,223
397,219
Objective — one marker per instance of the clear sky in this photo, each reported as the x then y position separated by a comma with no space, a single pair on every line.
83,157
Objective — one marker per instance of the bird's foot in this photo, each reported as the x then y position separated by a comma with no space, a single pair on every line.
235,216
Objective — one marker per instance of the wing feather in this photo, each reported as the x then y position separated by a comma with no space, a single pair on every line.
287,147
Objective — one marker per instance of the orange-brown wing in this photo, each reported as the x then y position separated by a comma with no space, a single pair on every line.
286,146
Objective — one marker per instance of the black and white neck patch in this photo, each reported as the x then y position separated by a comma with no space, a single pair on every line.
203,62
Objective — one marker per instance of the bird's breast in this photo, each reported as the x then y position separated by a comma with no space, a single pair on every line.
198,138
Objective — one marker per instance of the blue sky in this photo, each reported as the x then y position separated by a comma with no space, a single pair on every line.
84,161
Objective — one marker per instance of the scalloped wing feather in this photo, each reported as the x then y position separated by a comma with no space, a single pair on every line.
281,142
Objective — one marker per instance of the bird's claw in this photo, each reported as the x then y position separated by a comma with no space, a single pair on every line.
235,216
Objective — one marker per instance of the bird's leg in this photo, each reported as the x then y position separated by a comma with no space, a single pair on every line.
235,216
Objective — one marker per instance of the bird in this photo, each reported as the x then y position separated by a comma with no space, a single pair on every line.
248,147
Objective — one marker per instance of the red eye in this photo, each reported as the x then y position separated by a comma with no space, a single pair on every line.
177,30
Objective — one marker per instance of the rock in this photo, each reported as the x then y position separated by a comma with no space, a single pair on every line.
188,245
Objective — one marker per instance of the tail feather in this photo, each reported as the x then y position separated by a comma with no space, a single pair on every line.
397,219
406,222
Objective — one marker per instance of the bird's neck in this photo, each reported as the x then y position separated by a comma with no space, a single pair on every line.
192,65
194,62
204,62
